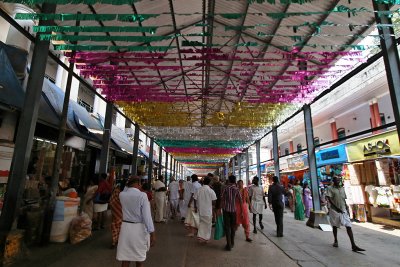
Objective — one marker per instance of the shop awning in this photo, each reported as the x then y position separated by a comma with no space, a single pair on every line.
77,116
121,139
11,92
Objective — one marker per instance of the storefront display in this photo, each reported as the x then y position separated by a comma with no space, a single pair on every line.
373,178
330,163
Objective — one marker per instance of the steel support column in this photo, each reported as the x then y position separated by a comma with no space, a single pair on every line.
51,205
247,167
258,156
275,150
390,57
311,157
105,149
150,168
24,138
166,166
135,150
170,169
160,151
240,165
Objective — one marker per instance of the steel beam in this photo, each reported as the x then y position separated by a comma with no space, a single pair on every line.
150,167
390,57
135,150
258,156
160,151
105,149
275,151
51,205
166,166
24,138
311,157
247,167
239,156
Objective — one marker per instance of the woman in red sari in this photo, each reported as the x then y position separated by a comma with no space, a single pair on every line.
116,215
242,214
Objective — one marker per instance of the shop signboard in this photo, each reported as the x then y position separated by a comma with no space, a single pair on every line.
298,162
384,144
283,164
331,155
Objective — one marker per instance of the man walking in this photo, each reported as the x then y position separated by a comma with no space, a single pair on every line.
229,195
137,229
339,213
173,196
159,197
275,200
205,198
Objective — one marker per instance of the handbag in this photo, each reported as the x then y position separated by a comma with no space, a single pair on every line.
219,228
102,198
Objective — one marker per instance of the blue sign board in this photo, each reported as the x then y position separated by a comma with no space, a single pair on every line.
331,155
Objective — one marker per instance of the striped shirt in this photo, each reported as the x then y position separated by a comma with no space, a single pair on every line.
229,195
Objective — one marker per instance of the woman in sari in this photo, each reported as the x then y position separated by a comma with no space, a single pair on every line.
88,199
307,199
242,213
116,214
298,202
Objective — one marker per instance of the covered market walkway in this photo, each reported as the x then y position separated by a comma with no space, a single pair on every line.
188,87
300,246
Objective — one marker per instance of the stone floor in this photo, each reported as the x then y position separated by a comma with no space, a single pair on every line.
313,247
301,245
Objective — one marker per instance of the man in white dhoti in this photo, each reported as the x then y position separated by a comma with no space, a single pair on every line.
339,212
173,196
187,193
205,198
159,199
137,229
192,217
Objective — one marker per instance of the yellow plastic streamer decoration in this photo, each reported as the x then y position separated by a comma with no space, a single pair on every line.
158,113
249,115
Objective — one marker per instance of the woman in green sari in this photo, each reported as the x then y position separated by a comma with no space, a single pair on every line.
298,202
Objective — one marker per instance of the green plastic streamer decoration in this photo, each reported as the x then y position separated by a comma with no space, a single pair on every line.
149,29
102,38
65,17
232,15
136,17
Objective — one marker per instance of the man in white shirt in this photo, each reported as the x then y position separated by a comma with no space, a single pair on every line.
173,196
205,198
187,193
137,229
192,217
159,199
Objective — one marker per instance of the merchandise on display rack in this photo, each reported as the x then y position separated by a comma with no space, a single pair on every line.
372,182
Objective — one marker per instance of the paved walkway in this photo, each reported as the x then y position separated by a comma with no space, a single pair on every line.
173,249
301,245
313,247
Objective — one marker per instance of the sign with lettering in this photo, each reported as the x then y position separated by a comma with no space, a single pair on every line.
373,147
331,155
380,147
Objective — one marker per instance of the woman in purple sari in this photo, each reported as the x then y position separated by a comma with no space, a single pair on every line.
307,200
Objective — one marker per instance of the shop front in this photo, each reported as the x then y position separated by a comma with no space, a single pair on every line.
294,168
331,162
373,180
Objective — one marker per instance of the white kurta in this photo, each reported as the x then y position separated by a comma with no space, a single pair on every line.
159,198
257,199
187,186
134,237
204,197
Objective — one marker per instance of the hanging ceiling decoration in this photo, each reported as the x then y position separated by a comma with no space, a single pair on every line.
208,78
